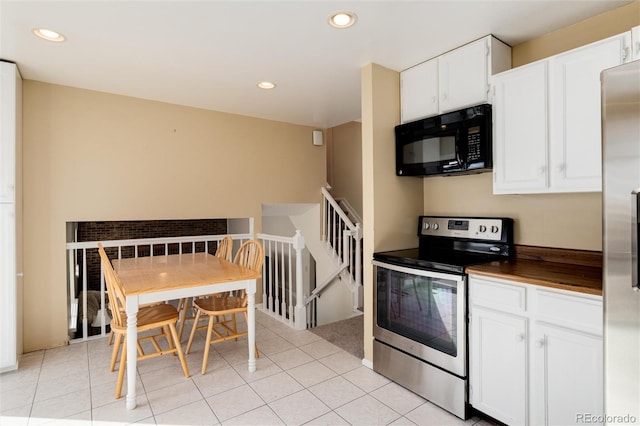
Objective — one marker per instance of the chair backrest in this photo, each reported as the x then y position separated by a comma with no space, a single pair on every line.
225,248
114,289
250,255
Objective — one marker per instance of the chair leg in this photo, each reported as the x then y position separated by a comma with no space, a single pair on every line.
207,345
183,307
169,337
114,352
178,347
193,330
123,361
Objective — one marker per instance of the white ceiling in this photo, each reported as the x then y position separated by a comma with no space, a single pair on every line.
211,54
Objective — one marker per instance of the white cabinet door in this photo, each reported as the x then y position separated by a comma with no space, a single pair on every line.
463,76
419,91
9,73
520,130
635,43
574,108
498,365
8,303
566,376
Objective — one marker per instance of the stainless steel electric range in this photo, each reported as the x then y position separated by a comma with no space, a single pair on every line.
421,308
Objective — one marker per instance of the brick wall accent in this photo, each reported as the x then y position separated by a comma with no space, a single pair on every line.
126,230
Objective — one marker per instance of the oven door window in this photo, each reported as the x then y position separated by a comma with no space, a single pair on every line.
420,308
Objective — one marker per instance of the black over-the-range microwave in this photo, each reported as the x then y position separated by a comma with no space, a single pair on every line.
453,143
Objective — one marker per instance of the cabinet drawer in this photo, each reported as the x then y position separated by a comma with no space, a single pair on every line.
580,312
498,295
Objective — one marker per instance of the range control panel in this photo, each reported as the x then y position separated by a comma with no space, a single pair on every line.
488,229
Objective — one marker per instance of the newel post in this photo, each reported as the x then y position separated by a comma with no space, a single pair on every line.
300,317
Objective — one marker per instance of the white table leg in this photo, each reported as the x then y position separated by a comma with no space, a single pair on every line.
132,351
251,326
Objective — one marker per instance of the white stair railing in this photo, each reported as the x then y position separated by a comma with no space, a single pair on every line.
344,239
282,289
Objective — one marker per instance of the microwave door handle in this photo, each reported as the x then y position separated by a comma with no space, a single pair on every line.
458,156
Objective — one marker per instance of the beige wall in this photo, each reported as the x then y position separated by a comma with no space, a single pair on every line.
390,204
345,163
558,220
97,156
547,220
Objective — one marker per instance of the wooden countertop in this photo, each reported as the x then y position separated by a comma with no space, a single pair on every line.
574,270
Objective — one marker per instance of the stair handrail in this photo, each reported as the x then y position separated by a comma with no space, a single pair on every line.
343,238
329,199
327,281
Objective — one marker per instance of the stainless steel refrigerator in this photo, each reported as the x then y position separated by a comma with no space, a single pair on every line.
621,184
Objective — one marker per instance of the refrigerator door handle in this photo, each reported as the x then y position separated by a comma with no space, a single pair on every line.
635,207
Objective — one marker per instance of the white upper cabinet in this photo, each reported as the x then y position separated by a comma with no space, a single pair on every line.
575,162
547,135
463,76
520,129
8,91
422,79
635,43
454,80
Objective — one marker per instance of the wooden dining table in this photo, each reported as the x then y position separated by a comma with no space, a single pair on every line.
161,278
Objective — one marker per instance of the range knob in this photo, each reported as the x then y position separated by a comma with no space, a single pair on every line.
483,228
435,226
426,225
494,229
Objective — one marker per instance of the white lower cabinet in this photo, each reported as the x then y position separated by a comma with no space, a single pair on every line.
567,376
535,354
499,365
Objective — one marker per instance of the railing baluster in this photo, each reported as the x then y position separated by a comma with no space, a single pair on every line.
276,296
283,299
264,275
271,279
290,300
85,326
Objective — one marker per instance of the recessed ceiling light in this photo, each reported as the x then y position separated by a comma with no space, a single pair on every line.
48,34
267,85
342,19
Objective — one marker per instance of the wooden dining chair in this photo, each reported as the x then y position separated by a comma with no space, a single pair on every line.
160,319
224,250
250,255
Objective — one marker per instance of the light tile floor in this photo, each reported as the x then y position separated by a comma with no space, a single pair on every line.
300,379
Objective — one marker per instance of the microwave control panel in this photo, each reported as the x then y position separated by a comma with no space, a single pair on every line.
474,152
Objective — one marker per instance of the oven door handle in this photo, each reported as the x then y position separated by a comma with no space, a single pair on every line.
635,215
421,272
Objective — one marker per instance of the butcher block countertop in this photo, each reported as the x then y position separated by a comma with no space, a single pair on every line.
575,270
